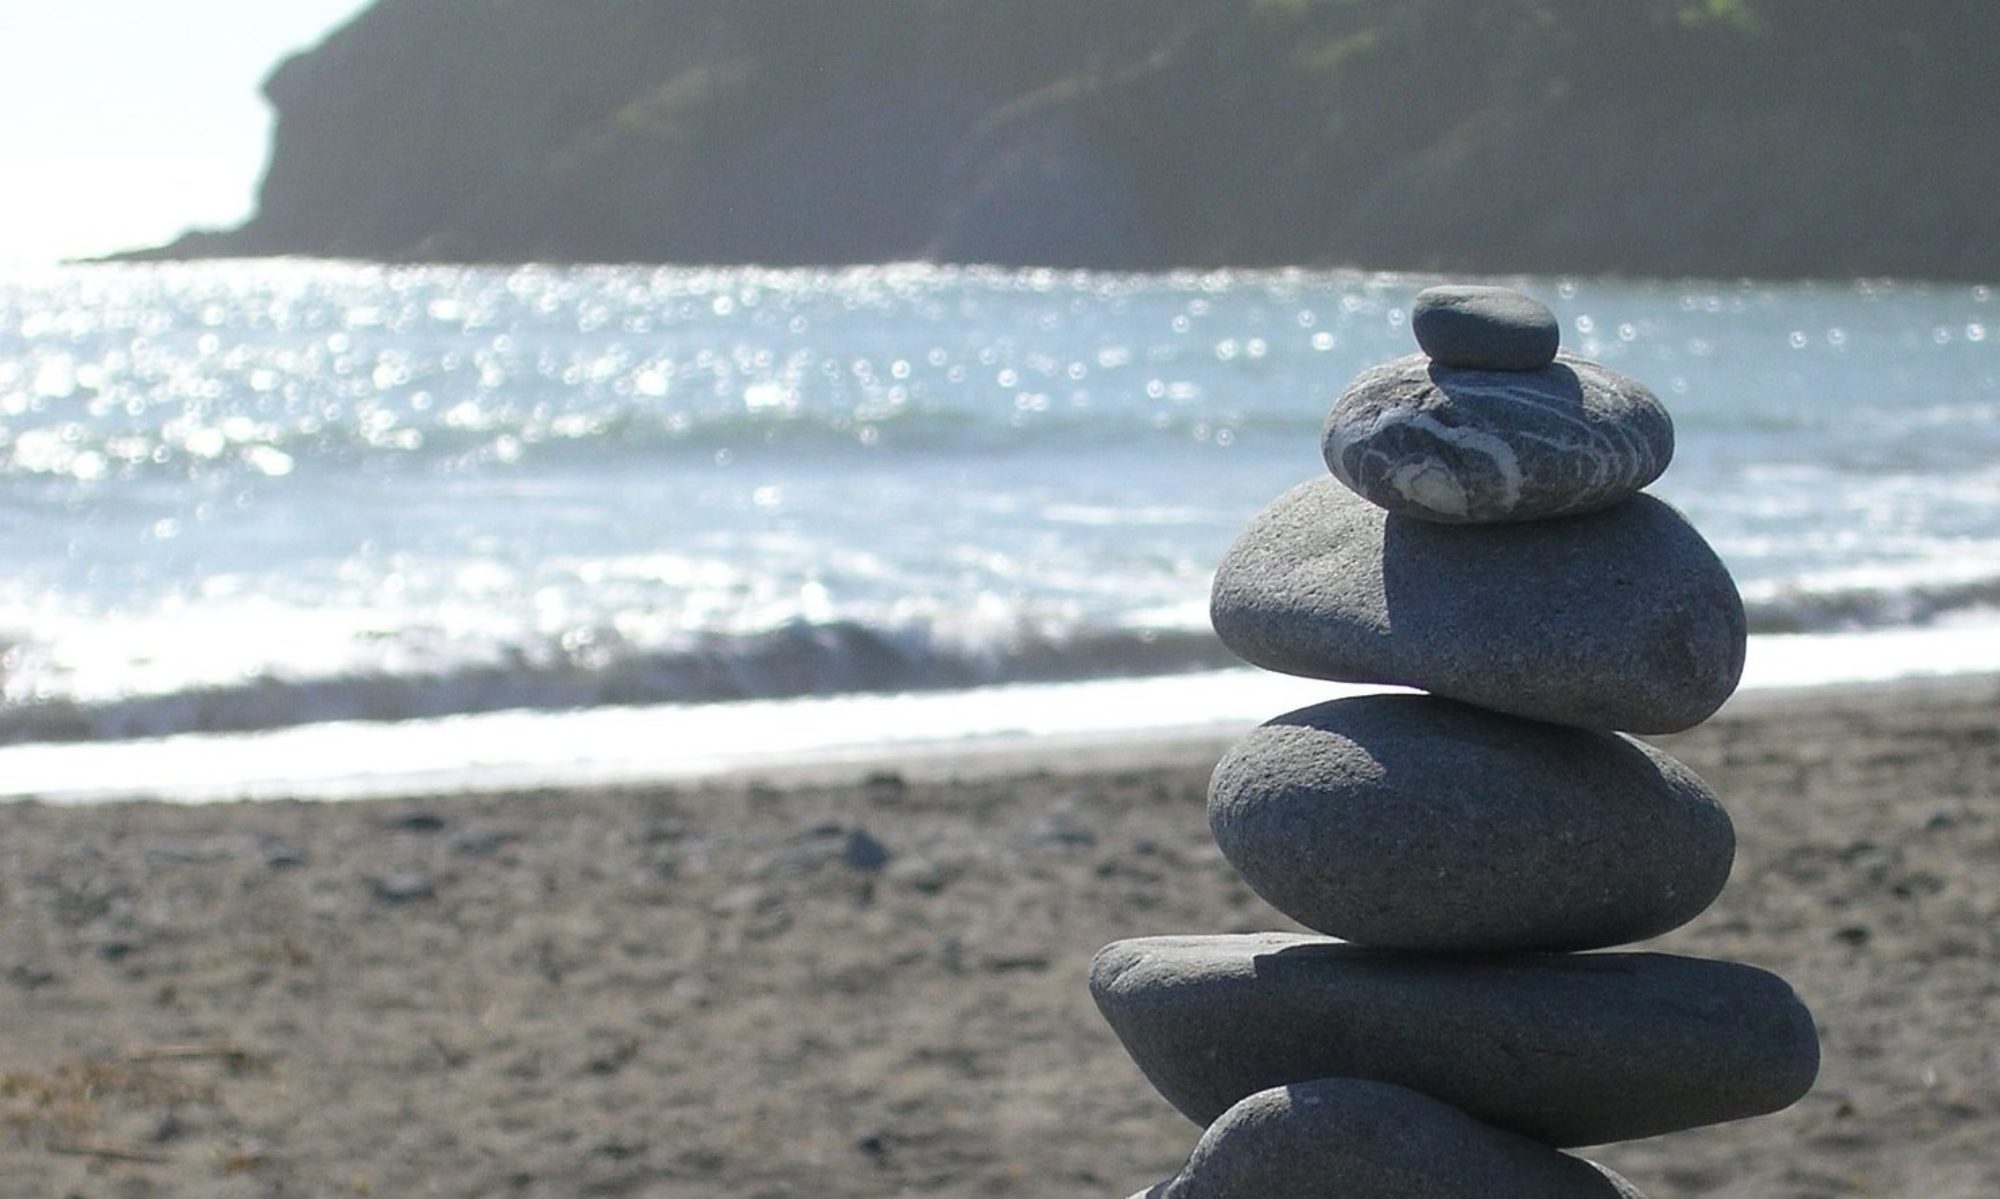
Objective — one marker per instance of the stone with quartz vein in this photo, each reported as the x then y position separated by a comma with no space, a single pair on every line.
1465,446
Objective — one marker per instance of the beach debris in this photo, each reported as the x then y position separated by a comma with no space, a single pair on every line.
237,1058
399,887
280,854
418,820
29,974
1484,539
920,874
885,788
814,849
107,1152
1063,828
486,842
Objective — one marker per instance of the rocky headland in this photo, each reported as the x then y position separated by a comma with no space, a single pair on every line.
1765,138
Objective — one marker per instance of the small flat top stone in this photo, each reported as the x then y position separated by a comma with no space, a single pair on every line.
1564,1048
1623,619
1411,822
1466,446
1349,1138
1484,328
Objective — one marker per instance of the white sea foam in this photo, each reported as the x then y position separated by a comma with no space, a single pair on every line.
517,749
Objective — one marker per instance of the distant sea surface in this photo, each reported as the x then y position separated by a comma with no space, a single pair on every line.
244,497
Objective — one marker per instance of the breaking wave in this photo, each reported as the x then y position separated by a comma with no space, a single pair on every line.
797,659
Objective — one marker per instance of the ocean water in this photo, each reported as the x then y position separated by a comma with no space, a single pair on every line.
299,514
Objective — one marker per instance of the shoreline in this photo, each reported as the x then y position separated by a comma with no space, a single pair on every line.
1100,723
866,979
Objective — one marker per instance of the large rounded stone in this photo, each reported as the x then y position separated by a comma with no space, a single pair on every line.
1566,1049
1484,328
1482,446
1349,1138
1623,619
1410,822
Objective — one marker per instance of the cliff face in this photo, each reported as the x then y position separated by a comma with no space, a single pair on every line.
1733,137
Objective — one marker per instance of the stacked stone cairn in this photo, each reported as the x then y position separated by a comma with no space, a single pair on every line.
1483,540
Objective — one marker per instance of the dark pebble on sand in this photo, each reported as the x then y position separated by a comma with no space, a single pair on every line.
863,852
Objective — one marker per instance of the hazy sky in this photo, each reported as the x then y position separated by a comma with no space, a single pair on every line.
128,121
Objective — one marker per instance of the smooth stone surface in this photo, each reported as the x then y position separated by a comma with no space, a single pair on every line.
1349,1138
1566,1049
1411,822
1484,328
1624,619
1480,446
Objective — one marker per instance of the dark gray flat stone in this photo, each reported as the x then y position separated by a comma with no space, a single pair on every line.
1484,328
1480,446
1349,1138
1567,1049
1410,822
1623,619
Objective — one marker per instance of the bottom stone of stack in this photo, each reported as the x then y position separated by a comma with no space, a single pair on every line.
1350,1138
1565,1049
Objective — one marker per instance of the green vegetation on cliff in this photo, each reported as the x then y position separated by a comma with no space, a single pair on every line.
1732,137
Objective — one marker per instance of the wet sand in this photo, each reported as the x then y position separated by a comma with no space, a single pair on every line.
867,981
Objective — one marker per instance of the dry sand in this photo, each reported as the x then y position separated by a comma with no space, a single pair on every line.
875,986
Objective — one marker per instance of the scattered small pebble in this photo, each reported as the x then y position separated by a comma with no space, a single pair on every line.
863,852
402,887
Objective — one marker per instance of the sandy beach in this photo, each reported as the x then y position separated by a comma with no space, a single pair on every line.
868,980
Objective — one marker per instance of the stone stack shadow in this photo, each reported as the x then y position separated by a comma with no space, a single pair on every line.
1484,540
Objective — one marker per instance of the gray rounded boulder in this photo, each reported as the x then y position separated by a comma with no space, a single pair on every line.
1563,1048
1409,822
1468,446
1349,1138
1484,328
1623,619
